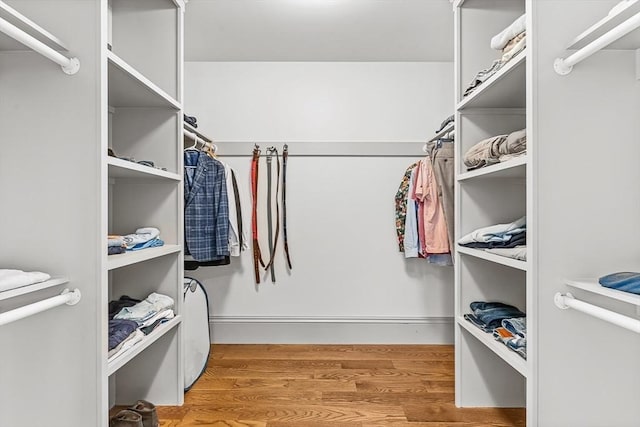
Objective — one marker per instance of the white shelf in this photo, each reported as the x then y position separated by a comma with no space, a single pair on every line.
512,358
125,357
129,88
592,285
119,168
25,24
488,256
505,89
515,168
631,41
191,129
128,258
33,288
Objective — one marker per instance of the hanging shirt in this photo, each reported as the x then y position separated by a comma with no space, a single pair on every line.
411,240
401,206
436,238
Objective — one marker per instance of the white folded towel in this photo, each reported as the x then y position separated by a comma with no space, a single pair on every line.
499,41
12,279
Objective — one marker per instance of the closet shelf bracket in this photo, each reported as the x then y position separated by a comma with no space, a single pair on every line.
566,301
69,65
563,66
66,297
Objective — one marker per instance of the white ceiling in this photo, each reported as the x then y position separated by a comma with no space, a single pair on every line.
319,30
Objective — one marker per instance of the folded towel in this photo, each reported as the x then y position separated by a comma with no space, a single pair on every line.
153,243
13,279
499,41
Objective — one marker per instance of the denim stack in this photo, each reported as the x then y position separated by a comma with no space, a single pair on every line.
504,321
509,240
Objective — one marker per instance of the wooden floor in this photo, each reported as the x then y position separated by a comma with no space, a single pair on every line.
332,386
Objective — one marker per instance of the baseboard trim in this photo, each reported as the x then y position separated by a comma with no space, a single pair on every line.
331,330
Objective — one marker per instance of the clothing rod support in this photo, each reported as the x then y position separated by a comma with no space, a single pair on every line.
567,301
69,65
563,66
66,297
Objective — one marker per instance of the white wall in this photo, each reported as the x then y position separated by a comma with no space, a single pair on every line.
349,283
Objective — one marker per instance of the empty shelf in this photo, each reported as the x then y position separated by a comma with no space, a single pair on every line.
33,288
488,256
119,168
125,357
592,285
505,89
516,168
25,24
128,258
129,88
630,41
511,357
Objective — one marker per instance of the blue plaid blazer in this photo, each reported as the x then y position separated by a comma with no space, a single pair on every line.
206,207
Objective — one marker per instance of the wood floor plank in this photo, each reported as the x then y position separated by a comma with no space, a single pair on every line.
311,424
278,364
275,372
405,385
366,364
249,397
300,414
356,374
211,382
436,365
447,412
434,424
397,398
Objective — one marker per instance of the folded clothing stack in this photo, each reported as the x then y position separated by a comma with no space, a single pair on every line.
13,279
143,238
130,320
510,41
624,281
192,120
498,238
496,149
489,315
513,334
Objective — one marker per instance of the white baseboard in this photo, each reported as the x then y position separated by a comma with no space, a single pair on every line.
331,330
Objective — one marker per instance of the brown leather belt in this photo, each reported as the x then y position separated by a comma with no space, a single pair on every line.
273,239
285,156
257,255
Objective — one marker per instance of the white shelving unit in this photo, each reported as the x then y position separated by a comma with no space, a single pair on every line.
491,195
119,168
130,258
32,288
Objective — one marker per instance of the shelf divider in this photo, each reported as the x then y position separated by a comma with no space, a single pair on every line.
516,168
488,256
129,258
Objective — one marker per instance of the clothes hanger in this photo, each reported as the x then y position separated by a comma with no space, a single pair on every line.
195,144
212,149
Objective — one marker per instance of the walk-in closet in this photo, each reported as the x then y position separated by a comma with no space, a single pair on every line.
307,213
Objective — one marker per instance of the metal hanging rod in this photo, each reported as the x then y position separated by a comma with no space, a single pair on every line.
566,301
66,297
196,139
563,66
69,65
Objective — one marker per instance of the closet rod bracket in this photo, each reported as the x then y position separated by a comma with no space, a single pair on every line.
75,296
72,67
561,67
559,300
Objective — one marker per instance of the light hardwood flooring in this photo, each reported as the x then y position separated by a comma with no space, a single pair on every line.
330,386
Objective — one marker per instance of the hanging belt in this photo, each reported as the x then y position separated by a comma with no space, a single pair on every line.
273,239
285,156
257,255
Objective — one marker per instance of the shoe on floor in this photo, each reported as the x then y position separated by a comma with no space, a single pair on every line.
147,411
126,418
